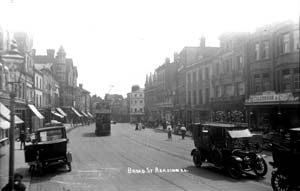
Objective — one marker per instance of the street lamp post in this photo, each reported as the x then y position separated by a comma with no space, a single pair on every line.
12,56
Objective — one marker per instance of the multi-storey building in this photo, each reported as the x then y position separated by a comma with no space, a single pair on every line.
118,107
160,89
229,78
197,84
274,85
83,101
136,104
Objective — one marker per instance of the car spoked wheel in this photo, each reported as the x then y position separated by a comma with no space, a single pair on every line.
279,182
197,159
260,167
234,170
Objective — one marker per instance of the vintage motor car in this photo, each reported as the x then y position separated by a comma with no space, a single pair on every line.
47,148
229,146
286,163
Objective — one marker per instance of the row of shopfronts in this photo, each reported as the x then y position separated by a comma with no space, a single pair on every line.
28,118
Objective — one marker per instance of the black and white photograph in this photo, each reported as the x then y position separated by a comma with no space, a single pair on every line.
149,95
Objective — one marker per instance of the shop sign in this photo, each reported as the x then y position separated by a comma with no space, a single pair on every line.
272,97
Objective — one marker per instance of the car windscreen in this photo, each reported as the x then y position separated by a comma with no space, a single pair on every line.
240,133
51,135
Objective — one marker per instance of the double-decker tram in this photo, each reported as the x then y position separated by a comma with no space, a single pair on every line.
103,113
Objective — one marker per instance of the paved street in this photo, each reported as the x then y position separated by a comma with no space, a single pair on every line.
137,160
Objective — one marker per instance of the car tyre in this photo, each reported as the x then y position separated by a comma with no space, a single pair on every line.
197,159
279,182
234,169
260,167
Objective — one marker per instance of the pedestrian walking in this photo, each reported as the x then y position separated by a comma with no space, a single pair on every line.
22,138
169,129
183,131
140,126
18,184
136,126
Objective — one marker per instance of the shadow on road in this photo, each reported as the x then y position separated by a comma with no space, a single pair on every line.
89,134
216,174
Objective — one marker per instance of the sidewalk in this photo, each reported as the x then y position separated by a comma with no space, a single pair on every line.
20,165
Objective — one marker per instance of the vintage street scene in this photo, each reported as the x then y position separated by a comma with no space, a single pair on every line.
149,95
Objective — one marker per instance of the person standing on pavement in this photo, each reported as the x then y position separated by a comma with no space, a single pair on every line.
183,130
22,139
18,184
169,129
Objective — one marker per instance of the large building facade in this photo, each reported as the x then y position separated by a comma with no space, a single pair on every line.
136,104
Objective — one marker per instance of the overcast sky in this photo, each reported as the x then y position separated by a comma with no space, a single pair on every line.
118,42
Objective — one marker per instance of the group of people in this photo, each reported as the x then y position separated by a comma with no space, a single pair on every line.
182,129
139,126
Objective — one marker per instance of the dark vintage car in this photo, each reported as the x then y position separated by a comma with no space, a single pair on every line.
48,147
228,146
286,162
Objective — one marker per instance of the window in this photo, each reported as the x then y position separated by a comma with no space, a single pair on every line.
135,109
265,53
206,73
200,97
141,109
240,63
218,91
296,40
194,77
206,95
296,79
286,80
141,101
200,75
189,97
257,83
266,85
286,43
257,51
189,80
195,97
217,68
241,88
229,90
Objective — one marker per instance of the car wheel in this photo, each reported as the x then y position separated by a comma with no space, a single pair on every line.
260,167
234,170
279,182
197,159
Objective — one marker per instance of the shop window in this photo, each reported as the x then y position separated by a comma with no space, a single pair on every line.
266,85
286,80
296,79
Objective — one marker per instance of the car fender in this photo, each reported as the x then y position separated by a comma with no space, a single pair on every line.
194,151
69,156
235,158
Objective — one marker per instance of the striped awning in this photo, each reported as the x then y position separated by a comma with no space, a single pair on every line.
35,111
86,115
76,112
5,117
89,114
57,114
61,112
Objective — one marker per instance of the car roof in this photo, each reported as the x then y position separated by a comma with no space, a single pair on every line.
51,128
224,125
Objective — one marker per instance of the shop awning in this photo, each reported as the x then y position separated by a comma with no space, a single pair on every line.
35,111
61,112
57,114
5,117
90,114
86,115
76,112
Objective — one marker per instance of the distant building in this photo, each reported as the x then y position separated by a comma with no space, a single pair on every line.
136,104
118,106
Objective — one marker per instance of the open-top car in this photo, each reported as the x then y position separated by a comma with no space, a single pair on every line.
230,146
49,147
286,161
